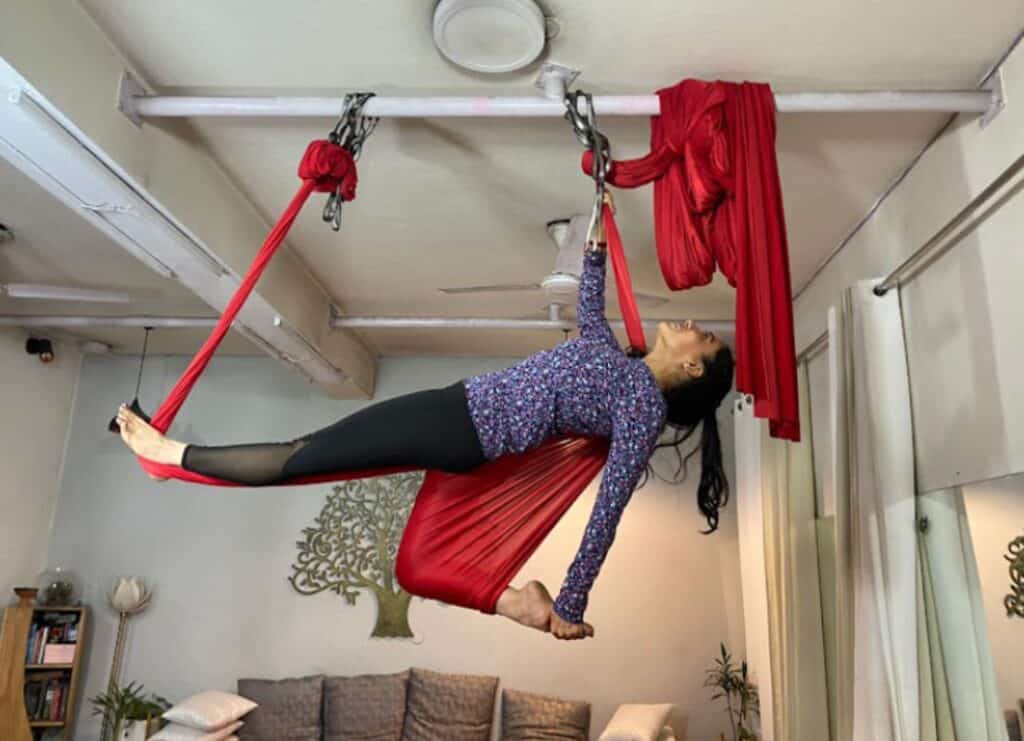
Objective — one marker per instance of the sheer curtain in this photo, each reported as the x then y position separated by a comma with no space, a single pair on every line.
779,565
794,596
876,548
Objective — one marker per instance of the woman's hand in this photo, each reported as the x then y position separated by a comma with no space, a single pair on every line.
566,631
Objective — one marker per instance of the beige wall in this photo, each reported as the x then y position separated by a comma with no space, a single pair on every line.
219,560
995,512
35,409
963,314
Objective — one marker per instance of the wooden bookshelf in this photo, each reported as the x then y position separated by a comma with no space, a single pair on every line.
15,673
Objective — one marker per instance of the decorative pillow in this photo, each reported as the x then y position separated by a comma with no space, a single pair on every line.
637,723
453,707
370,707
176,732
209,711
529,717
289,709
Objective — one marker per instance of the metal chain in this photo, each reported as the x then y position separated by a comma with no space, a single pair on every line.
351,132
585,127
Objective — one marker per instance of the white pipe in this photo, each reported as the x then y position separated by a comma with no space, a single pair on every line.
75,322
722,326
714,325
969,101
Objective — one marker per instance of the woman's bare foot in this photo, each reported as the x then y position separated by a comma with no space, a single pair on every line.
146,442
529,606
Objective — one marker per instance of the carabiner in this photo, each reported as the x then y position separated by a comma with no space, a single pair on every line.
582,126
332,209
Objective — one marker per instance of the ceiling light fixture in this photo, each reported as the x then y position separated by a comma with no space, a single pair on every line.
491,36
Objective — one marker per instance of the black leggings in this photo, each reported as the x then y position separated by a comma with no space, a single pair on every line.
426,429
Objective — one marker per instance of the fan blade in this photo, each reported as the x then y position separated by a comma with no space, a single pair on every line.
500,288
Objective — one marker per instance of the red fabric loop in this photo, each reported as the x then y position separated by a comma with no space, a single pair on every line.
329,165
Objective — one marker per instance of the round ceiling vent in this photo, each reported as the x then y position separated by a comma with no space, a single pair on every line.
489,35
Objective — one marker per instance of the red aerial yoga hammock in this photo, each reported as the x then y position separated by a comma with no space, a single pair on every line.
717,199
469,533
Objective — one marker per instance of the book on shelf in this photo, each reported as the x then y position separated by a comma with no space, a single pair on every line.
53,638
46,697
59,653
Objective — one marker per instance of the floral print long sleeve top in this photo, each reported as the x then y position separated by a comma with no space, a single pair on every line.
586,386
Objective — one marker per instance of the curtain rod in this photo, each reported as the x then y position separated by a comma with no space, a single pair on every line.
138,106
938,245
930,251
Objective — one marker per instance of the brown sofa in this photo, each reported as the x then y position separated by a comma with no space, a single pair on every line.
414,705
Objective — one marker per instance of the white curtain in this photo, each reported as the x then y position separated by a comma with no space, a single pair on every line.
749,497
800,702
876,548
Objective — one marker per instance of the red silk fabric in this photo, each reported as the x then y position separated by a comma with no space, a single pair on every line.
623,283
469,533
718,202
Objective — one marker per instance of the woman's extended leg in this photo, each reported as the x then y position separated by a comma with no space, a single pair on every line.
426,429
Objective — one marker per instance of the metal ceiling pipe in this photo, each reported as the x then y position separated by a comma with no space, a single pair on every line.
161,106
75,322
721,326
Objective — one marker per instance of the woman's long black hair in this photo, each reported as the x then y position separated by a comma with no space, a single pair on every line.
692,403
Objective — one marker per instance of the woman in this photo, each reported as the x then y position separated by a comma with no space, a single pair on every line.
586,386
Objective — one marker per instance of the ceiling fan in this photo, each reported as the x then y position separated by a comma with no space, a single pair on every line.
62,293
561,285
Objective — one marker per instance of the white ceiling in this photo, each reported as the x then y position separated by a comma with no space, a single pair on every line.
464,202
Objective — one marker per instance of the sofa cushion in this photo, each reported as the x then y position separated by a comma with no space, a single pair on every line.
638,722
209,711
529,717
365,708
449,707
289,709
178,732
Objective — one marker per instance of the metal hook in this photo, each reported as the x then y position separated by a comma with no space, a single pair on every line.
332,209
582,124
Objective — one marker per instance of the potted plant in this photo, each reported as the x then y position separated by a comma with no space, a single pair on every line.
127,711
732,684
143,716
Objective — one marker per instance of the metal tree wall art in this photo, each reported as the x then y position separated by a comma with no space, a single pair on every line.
1014,601
353,545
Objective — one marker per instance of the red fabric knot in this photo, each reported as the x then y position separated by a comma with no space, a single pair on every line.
718,203
329,165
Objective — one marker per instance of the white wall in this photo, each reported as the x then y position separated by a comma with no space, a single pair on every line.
995,512
219,560
962,315
35,408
